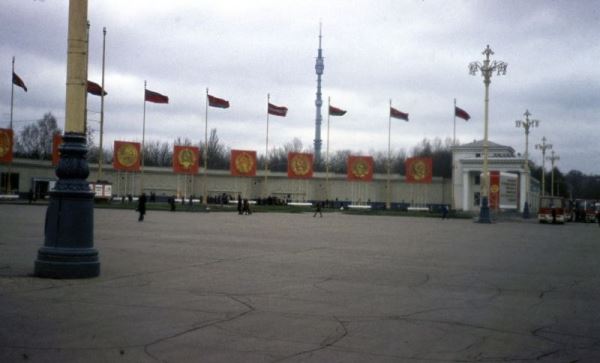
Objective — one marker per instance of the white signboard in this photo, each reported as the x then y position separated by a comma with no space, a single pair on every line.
509,191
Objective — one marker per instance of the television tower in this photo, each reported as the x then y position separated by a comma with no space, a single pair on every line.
319,67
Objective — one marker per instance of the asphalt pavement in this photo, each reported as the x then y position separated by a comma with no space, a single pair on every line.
277,287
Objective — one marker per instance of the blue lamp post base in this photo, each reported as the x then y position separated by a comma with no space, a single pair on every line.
526,211
68,250
484,212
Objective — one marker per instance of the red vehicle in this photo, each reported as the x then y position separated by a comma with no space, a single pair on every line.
584,211
552,210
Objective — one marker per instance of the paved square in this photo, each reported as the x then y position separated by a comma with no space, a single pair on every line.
184,287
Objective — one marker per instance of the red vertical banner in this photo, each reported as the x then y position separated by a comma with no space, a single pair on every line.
186,159
243,163
418,170
300,166
56,142
6,145
360,168
126,156
494,201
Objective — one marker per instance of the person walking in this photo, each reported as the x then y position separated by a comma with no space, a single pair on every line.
318,210
246,209
141,208
444,211
239,204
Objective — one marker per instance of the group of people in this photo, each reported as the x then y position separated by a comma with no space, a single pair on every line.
243,207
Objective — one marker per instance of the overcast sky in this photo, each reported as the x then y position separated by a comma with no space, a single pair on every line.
413,52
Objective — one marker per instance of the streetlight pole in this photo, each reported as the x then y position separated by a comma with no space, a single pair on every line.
552,159
543,146
68,250
486,68
526,125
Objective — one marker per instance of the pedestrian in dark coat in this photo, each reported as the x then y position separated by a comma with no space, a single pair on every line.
318,210
239,204
141,208
246,209
444,211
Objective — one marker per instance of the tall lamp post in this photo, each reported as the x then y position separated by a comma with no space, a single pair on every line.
487,68
543,147
552,159
68,250
526,125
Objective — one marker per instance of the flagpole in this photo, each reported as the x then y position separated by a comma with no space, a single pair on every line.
12,95
101,156
87,52
12,92
388,202
453,166
143,141
204,196
454,137
267,147
327,153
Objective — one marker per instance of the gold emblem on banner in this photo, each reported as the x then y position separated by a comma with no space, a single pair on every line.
5,144
495,188
186,158
300,165
244,163
127,155
419,170
360,168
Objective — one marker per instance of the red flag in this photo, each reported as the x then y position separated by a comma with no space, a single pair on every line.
360,168
494,189
334,111
95,89
243,163
459,112
126,156
155,97
19,82
300,165
217,102
277,110
398,114
6,145
418,170
56,141
185,159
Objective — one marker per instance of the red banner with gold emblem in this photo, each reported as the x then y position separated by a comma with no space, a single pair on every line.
300,165
186,159
494,201
6,145
56,142
243,163
360,168
418,170
126,156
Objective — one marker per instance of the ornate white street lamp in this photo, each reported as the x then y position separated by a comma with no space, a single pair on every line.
552,159
526,125
486,68
543,146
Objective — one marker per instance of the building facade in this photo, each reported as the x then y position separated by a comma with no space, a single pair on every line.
467,163
38,177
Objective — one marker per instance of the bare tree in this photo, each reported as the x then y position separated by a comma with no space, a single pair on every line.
35,140
218,154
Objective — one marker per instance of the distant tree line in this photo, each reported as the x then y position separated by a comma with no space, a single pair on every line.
34,141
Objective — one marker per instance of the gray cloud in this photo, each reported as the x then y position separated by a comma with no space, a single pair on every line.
414,52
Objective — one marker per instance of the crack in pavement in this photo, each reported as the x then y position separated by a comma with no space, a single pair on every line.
210,323
325,343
